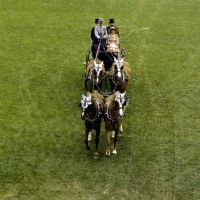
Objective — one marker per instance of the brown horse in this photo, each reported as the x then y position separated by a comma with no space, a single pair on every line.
95,73
92,113
120,74
114,109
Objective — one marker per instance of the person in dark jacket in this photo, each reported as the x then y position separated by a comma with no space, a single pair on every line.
92,30
112,24
92,35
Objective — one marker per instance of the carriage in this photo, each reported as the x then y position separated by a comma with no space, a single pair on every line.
106,76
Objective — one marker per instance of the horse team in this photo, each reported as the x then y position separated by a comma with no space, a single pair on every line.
112,108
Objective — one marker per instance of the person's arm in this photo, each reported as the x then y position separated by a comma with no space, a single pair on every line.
92,33
117,43
96,32
105,33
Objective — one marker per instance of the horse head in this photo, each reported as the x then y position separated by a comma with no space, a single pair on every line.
118,69
86,104
98,72
121,102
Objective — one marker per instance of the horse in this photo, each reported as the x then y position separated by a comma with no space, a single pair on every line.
114,110
95,73
92,113
119,75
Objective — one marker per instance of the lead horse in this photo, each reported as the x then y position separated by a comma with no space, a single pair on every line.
114,110
92,113
119,75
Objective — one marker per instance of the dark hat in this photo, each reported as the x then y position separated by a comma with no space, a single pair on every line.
112,21
96,21
112,28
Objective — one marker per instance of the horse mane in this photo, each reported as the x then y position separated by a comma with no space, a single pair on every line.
97,96
91,64
111,97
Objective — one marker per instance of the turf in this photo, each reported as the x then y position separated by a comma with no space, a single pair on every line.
42,154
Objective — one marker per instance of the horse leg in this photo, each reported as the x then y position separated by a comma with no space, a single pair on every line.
121,128
114,152
113,134
117,127
89,137
107,143
108,128
86,138
90,86
113,131
96,153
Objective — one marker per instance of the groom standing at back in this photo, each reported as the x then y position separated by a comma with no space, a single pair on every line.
112,24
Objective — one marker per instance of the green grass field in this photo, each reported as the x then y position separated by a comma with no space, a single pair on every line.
42,50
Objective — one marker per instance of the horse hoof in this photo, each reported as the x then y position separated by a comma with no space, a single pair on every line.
96,155
108,153
114,152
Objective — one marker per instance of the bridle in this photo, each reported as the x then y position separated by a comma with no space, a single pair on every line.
119,97
97,68
98,110
113,74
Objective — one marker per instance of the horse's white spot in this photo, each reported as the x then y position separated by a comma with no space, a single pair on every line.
121,128
119,75
107,153
89,137
82,114
113,134
121,113
114,152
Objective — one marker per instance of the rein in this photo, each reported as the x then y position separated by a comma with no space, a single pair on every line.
98,50
91,80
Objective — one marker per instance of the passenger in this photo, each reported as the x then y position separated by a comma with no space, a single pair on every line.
112,41
93,49
112,24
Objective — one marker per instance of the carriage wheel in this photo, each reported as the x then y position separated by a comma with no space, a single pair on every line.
87,59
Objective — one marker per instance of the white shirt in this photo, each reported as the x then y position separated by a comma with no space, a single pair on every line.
100,30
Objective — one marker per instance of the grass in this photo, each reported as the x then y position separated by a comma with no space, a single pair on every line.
42,154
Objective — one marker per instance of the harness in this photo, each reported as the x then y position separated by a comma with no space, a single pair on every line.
116,83
109,116
98,113
91,80
113,76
